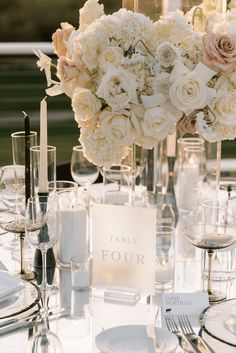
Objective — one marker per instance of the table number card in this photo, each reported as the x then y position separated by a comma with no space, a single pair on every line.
124,246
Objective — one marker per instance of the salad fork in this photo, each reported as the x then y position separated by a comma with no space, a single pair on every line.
194,339
183,341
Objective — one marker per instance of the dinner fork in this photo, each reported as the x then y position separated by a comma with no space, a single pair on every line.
194,339
183,341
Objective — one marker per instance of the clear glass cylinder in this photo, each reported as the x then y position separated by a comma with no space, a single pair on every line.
18,140
117,181
165,258
35,165
73,235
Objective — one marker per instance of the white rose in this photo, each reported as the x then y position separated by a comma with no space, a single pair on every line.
118,89
110,56
158,122
89,13
118,127
167,54
99,149
224,107
85,104
190,92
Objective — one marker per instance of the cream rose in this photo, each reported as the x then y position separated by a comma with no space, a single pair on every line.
110,57
85,104
167,54
118,127
190,92
220,51
224,107
118,89
60,38
70,75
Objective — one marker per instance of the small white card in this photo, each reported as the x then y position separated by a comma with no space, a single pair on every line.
184,303
124,247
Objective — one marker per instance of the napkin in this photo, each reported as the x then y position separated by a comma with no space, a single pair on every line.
9,285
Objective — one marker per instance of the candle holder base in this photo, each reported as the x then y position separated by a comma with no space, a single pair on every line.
26,276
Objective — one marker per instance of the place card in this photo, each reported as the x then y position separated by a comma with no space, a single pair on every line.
124,246
184,303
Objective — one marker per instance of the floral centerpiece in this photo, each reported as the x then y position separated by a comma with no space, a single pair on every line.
132,80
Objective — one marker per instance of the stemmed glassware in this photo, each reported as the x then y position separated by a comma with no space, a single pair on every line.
44,341
12,192
217,230
42,228
83,172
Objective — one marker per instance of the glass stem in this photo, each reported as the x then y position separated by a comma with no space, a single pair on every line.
44,265
22,247
210,254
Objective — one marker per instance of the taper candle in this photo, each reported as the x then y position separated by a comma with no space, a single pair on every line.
43,161
27,157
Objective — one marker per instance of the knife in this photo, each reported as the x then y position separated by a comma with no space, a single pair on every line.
150,330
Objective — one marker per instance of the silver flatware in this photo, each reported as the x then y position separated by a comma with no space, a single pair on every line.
183,341
150,330
32,321
196,341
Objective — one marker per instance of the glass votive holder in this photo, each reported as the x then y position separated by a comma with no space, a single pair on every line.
117,181
81,273
35,163
165,258
62,185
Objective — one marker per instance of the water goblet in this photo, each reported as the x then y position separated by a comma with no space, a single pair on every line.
42,228
217,231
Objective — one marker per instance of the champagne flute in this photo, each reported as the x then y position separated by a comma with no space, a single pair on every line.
42,228
217,231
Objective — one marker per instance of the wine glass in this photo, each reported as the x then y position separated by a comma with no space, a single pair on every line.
216,231
12,193
42,228
83,172
45,340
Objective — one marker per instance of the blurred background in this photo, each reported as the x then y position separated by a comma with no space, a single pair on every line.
22,85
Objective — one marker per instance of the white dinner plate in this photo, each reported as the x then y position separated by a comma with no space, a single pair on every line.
134,339
214,321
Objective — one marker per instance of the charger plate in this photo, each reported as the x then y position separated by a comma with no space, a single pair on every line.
214,321
21,301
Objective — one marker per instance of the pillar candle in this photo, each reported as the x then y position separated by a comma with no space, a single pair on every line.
171,145
73,235
43,161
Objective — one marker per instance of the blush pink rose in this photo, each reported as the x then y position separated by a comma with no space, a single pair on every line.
220,52
60,38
